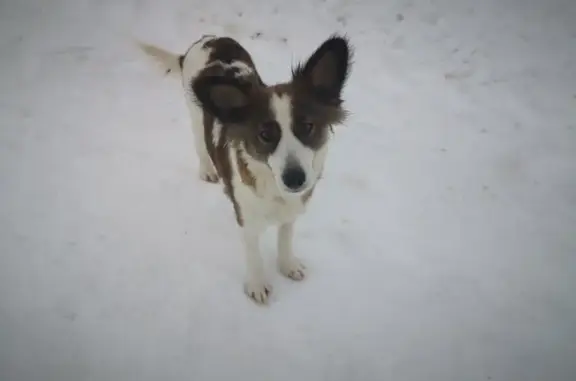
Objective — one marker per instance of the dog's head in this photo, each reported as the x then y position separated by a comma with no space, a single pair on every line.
284,126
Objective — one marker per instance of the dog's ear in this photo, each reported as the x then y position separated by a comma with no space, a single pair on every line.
324,74
226,98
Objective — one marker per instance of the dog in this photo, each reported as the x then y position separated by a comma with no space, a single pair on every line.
267,144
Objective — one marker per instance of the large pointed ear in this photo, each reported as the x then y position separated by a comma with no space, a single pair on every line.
326,71
226,98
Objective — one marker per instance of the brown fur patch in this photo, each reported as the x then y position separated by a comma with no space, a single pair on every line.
245,175
307,110
209,121
228,50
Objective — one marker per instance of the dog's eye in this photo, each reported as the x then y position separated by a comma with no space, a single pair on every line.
307,128
265,135
267,132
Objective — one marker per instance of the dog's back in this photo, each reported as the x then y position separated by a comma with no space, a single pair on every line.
219,56
209,55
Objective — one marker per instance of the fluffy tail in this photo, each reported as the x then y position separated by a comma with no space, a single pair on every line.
169,62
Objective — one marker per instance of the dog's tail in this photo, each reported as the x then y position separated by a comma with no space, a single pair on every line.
169,62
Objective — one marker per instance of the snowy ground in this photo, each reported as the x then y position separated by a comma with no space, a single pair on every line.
441,244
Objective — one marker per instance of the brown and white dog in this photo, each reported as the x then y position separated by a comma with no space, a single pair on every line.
267,143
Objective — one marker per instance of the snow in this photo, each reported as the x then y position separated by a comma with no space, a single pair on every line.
440,245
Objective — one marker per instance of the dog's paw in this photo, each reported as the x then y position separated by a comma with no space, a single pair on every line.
258,291
208,175
292,268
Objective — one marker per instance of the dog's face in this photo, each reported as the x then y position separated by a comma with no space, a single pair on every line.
285,126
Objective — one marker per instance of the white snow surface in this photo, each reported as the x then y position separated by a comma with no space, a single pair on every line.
441,243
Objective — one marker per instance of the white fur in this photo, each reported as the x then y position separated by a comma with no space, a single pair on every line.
216,132
255,286
288,264
243,69
264,205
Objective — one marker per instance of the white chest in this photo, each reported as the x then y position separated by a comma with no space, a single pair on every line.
278,211
264,210
262,204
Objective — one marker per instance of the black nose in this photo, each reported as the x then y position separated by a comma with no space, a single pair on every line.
294,178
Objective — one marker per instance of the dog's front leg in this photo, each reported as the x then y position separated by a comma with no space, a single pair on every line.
288,264
255,285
